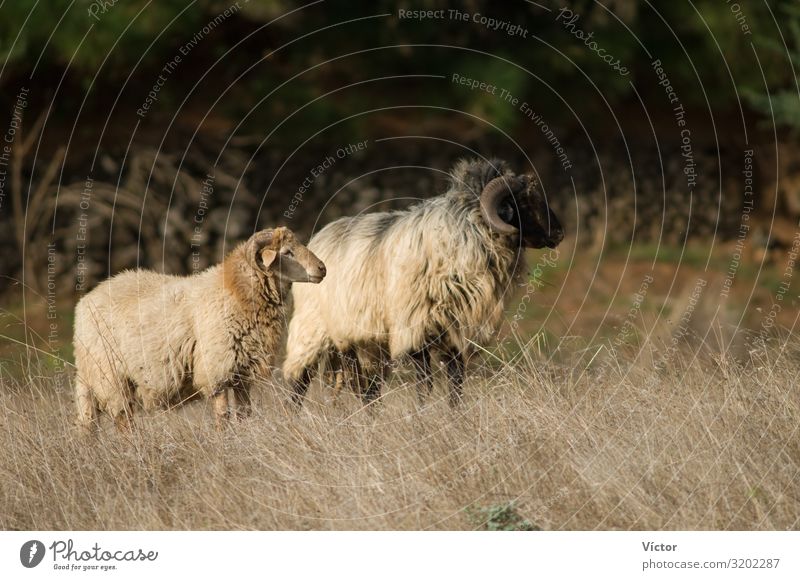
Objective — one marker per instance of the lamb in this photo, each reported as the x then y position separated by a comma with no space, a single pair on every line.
429,279
159,339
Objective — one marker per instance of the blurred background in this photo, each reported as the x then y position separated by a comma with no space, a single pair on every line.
157,134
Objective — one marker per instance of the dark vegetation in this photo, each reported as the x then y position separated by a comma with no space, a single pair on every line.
264,94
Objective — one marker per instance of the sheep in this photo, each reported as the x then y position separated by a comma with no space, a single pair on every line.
158,339
431,279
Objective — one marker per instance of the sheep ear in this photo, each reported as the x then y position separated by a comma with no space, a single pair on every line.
268,257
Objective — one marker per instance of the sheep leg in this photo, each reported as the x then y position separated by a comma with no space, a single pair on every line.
221,412
244,403
300,387
124,422
338,376
455,373
371,368
375,383
422,364
346,371
352,372
355,376
87,408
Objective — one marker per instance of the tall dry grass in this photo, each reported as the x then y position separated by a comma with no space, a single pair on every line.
705,443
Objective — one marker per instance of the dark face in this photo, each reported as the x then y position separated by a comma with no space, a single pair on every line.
539,227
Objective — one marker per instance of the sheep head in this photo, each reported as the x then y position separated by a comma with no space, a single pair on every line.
510,204
278,252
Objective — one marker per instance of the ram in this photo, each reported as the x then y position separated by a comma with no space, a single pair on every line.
430,279
154,339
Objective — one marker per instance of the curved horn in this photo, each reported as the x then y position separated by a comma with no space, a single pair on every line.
492,194
256,244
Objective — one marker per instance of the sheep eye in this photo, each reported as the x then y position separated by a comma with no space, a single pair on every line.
287,252
506,212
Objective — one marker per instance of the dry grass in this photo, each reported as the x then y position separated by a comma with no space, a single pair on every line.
706,445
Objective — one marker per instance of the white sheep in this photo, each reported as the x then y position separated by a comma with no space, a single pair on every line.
433,277
158,339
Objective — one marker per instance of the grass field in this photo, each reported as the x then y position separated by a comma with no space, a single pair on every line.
703,443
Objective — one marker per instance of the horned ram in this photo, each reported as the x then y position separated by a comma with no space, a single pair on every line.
430,279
